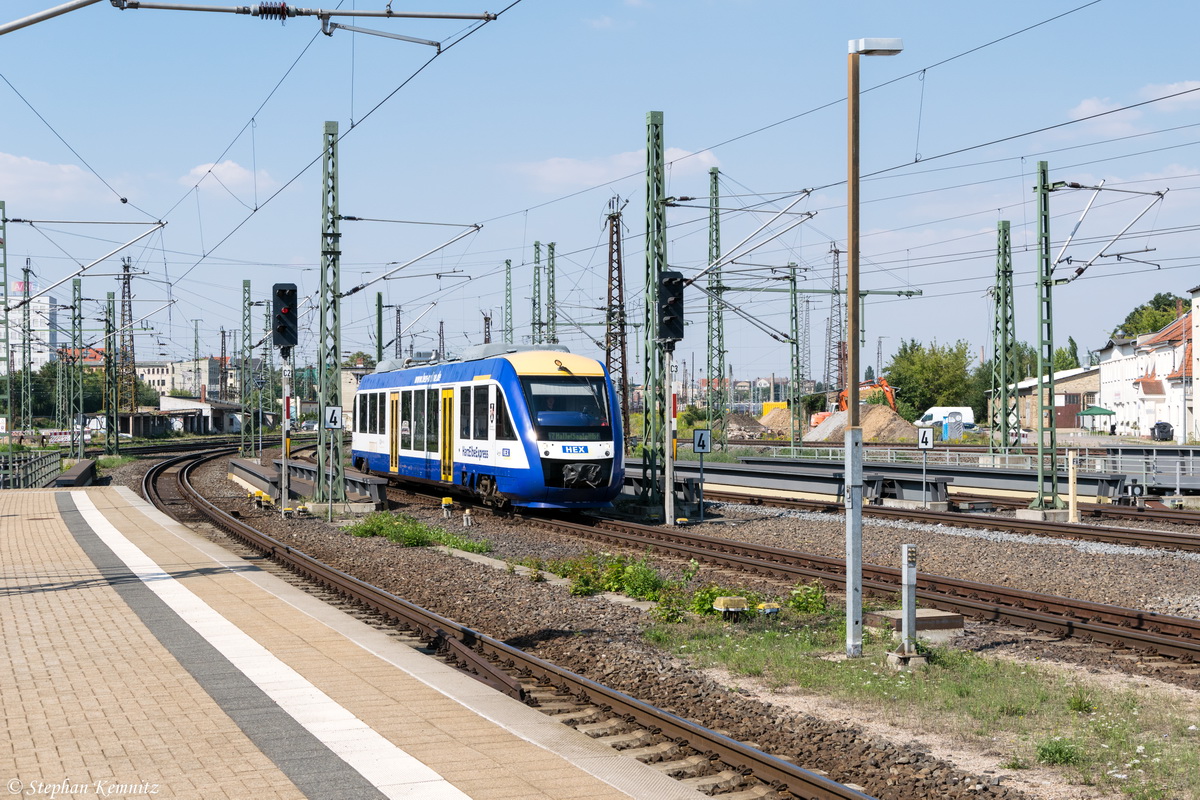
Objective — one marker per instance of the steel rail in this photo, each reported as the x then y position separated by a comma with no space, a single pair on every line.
1131,537
1174,516
1177,637
773,771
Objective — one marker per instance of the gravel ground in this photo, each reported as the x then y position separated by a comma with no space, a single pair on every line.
604,641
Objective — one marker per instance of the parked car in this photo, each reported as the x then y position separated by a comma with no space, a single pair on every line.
308,425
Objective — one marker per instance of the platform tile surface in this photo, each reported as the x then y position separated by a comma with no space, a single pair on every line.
322,700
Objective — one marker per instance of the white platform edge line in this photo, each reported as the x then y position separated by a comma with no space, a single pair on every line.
378,760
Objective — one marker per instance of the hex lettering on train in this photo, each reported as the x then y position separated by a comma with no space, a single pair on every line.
575,448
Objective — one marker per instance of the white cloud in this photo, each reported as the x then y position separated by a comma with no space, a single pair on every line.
1184,102
1121,123
568,174
228,174
36,184
602,23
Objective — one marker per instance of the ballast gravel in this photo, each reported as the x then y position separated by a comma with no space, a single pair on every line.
604,641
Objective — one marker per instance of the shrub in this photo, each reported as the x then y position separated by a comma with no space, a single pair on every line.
808,598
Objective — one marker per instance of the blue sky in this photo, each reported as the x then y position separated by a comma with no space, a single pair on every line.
529,124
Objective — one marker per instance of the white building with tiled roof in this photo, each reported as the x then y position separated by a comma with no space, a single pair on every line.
1148,379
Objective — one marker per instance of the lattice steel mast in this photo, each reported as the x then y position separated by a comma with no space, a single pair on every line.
616,354
127,363
246,446
551,304
537,293
508,313
1004,340
717,396
330,484
1046,428
654,409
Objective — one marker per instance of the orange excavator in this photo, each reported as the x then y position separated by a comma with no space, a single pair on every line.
868,389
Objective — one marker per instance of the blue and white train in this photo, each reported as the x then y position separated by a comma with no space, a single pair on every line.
508,424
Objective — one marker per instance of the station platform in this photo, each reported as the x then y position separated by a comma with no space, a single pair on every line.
143,660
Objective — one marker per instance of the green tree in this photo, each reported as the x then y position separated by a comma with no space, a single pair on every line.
1065,359
1149,317
358,358
929,375
869,375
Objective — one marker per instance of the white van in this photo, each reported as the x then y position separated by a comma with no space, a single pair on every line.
937,414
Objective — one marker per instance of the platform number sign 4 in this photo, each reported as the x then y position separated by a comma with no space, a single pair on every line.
333,418
924,438
702,440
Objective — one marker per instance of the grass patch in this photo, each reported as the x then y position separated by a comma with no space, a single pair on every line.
408,532
112,462
1142,745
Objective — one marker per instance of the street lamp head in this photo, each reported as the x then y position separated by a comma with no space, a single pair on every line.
876,47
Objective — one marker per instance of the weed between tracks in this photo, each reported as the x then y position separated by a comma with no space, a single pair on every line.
1139,744
404,530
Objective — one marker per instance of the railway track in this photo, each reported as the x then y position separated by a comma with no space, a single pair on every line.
1121,628
705,759
1147,512
1186,541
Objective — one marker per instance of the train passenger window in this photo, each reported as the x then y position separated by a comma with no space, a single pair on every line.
432,419
504,427
405,420
358,405
464,413
366,410
418,420
481,412
377,412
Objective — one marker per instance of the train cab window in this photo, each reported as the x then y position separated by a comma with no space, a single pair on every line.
505,430
358,411
418,420
569,407
481,412
406,420
464,413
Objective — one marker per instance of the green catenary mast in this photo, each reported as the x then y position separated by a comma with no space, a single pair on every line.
330,484
717,399
654,414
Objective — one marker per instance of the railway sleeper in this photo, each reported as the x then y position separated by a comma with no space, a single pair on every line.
688,766
608,727
624,741
720,781
655,752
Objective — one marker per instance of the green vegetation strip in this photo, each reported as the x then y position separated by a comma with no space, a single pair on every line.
406,531
1139,743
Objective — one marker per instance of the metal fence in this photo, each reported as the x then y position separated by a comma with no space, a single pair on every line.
30,469
1177,469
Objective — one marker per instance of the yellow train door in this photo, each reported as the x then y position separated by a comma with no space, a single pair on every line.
394,432
447,427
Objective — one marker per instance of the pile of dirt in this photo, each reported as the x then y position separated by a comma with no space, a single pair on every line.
743,426
879,424
779,420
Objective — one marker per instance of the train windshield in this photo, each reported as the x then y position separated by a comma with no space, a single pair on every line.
569,408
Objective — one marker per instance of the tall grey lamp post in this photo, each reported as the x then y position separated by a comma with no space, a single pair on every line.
854,478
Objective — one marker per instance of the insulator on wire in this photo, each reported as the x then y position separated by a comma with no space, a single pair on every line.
277,11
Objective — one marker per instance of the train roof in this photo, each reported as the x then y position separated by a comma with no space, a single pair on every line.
544,359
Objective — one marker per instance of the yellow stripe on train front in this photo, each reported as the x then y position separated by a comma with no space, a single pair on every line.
542,362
